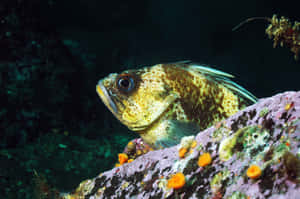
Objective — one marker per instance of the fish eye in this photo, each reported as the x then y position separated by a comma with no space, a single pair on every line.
125,83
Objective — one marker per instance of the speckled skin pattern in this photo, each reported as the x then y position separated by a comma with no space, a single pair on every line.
266,134
168,92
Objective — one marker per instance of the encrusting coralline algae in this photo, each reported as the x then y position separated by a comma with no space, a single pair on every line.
254,154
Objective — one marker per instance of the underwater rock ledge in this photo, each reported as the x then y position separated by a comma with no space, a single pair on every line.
254,154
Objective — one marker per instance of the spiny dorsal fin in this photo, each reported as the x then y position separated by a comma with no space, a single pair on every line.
208,71
238,90
223,78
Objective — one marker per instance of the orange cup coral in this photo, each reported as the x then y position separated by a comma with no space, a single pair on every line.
254,172
123,158
176,181
182,152
204,160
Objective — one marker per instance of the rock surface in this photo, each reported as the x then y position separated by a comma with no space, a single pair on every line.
265,134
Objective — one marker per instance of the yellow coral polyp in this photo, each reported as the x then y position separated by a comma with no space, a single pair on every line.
204,160
182,152
254,172
130,145
138,152
123,158
130,160
194,144
176,181
288,106
191,151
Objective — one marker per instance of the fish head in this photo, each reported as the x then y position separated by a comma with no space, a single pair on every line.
137,98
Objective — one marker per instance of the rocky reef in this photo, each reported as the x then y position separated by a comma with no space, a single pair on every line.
253,154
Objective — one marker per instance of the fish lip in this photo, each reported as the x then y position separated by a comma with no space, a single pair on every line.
104,95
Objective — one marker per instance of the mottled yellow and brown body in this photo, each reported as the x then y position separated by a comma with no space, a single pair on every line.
167,101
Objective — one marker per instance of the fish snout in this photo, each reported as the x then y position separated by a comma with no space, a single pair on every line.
105,97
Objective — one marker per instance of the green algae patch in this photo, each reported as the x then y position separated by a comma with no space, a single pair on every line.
220,133
264,112
218,181
227,146
237,195
251,140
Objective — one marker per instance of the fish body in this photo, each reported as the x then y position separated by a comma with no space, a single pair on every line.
165,102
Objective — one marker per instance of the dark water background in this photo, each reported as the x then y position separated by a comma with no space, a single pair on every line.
52,53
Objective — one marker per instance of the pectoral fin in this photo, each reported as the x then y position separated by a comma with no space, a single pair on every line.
175,131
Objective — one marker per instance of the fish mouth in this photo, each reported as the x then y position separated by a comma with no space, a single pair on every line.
107,100
137,125
105,97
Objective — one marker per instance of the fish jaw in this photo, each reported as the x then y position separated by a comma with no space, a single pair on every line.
104,96
130,120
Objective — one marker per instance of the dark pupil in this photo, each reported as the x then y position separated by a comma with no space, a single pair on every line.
124,83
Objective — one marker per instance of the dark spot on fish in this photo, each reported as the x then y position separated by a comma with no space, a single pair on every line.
204,113
165,157
166,91
140,166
